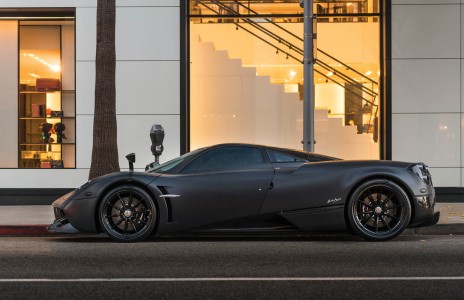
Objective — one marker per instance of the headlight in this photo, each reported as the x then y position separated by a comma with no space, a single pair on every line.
422,171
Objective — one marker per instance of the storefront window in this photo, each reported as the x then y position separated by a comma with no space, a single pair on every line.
38,62
246,75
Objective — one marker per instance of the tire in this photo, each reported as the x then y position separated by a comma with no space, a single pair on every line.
379,210
127,214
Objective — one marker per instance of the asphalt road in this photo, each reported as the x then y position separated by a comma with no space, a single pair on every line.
334,267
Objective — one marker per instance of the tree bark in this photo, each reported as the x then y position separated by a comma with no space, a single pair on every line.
105,148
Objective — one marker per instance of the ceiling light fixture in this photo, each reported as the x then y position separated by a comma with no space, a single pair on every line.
55,68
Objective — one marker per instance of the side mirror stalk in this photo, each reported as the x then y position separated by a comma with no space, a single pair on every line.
131,158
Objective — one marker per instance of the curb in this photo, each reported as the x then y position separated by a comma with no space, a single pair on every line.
41,230
441,229
24,230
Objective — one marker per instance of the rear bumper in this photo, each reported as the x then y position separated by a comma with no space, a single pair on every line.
424,212
432,220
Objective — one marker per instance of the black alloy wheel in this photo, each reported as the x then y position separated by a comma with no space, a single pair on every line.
127,214
379,210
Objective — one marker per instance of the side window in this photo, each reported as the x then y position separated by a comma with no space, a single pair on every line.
277,157
228,157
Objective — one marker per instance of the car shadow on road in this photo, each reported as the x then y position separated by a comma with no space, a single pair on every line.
101,238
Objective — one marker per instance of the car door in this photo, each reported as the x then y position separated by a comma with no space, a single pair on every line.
286,185
222,184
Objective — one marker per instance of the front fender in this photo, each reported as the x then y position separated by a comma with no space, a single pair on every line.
80,207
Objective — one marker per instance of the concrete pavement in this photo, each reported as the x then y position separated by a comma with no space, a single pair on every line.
33,219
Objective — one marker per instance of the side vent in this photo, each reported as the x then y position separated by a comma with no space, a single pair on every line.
168,202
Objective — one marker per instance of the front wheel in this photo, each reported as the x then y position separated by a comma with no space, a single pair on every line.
379,210
127,214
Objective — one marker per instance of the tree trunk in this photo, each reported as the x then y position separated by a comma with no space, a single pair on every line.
105,148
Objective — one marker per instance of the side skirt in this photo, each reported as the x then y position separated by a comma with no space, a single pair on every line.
330,218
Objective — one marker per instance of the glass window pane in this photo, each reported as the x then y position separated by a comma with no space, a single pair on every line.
247,75
46,94
229,157
277,157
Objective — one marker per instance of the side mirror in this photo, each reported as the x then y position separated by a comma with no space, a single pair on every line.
131,158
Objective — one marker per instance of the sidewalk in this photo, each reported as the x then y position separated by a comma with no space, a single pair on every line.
33,219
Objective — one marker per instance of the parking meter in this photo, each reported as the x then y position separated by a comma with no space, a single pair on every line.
157,137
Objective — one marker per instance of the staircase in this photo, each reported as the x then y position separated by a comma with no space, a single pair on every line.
230,103
285,41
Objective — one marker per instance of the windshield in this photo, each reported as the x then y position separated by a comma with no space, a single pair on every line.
172,163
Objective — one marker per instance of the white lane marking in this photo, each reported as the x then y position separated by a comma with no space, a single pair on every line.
193,279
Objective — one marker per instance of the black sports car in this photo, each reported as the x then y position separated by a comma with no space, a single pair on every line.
251,188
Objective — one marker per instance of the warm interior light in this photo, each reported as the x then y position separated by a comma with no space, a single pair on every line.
54,68
330,73
292,73
368,73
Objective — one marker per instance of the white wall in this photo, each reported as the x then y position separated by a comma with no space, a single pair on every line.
426,86
147,81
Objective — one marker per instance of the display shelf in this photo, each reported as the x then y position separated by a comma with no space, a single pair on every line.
39,92
42,118
45,144
36,127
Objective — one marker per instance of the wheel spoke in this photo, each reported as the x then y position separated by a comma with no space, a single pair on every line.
363,203
396,218
135,227
117,224
122,201
125,227
112,216
370,196
365,223
388,198
376,224
138,204
130,199
366,212
385,222
120,208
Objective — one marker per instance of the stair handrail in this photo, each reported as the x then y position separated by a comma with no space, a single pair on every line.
285,42
299,38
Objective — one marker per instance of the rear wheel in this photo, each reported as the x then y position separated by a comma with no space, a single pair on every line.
127,214
379,210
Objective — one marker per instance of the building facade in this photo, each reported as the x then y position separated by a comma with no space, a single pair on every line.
166,53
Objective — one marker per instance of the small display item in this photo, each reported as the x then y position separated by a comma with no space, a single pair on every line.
56,164
56,114
45,164
27,154
47,84
38,110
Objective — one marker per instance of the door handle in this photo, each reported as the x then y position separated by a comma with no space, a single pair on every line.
271,185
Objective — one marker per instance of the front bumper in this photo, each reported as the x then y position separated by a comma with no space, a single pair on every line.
62,226
73,215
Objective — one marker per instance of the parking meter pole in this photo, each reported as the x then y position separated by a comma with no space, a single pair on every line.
308,77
